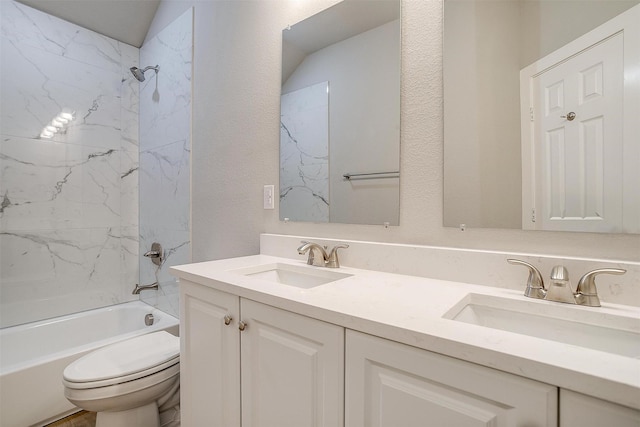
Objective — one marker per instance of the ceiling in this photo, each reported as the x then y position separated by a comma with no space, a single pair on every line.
125,20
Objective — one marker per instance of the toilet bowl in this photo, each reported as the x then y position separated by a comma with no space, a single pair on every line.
126,383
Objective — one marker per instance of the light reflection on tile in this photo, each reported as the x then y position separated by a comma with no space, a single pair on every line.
68,206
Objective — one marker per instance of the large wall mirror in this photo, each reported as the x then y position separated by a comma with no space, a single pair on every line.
340,115
542,108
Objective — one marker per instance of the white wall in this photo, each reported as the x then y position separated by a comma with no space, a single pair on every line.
482,174
562,23
236,100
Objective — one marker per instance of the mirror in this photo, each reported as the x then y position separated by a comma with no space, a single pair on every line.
340,115
514,156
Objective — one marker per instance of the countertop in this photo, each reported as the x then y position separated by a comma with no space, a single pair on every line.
409,310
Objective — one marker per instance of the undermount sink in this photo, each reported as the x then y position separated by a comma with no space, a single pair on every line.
575,325
293,275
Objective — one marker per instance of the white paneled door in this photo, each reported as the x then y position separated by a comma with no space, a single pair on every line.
578,140
579,115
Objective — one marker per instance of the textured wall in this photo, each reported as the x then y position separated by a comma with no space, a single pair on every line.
236,135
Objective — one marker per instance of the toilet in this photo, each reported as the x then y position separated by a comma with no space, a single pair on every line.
127,383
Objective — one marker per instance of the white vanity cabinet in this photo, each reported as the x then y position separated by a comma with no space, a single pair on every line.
579,410
209,357
248,364
389,384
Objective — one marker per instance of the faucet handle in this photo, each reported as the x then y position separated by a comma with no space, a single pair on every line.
586,292
332,260
535,282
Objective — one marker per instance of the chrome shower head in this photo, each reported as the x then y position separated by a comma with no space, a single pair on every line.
139,74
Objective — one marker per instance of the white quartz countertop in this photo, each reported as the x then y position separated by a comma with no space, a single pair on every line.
409,310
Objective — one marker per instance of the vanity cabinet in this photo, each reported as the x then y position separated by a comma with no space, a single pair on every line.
579,410
248,364
388,384
209,357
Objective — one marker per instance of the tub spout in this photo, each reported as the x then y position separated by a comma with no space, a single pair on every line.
138,288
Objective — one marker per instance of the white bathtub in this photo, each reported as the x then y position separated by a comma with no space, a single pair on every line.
33,356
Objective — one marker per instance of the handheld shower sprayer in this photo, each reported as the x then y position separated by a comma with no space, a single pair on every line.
139,73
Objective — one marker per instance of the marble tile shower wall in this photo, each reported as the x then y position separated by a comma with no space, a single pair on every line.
165,150
304,154
69,204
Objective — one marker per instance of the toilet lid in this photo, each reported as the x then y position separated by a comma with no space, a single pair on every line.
128,357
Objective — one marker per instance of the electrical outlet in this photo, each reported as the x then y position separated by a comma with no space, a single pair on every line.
268,196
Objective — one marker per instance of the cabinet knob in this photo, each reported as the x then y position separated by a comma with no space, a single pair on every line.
242,325
227,319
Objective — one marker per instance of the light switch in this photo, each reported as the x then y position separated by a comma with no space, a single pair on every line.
268,197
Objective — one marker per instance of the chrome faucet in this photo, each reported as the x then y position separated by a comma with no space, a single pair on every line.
318,255
138,288
560,288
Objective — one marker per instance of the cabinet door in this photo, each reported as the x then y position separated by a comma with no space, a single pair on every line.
292,369
578,410
209,357
394,385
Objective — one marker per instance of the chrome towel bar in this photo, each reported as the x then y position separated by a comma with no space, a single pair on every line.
372,175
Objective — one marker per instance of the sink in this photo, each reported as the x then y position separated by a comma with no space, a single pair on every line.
575,325
293,275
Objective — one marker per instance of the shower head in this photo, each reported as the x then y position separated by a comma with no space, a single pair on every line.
139,74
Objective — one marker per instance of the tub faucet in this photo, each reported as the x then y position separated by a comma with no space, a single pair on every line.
138,288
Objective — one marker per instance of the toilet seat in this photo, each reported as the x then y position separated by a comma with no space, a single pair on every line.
125,361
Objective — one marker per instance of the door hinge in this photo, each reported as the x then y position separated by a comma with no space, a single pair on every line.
533,215
531,113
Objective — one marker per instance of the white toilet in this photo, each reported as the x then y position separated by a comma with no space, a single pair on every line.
126,383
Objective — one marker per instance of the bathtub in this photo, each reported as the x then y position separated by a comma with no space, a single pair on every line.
33,356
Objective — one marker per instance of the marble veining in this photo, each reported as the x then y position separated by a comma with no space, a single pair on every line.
165,153
304,154
68,205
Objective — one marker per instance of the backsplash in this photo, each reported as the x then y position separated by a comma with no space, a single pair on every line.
488,268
